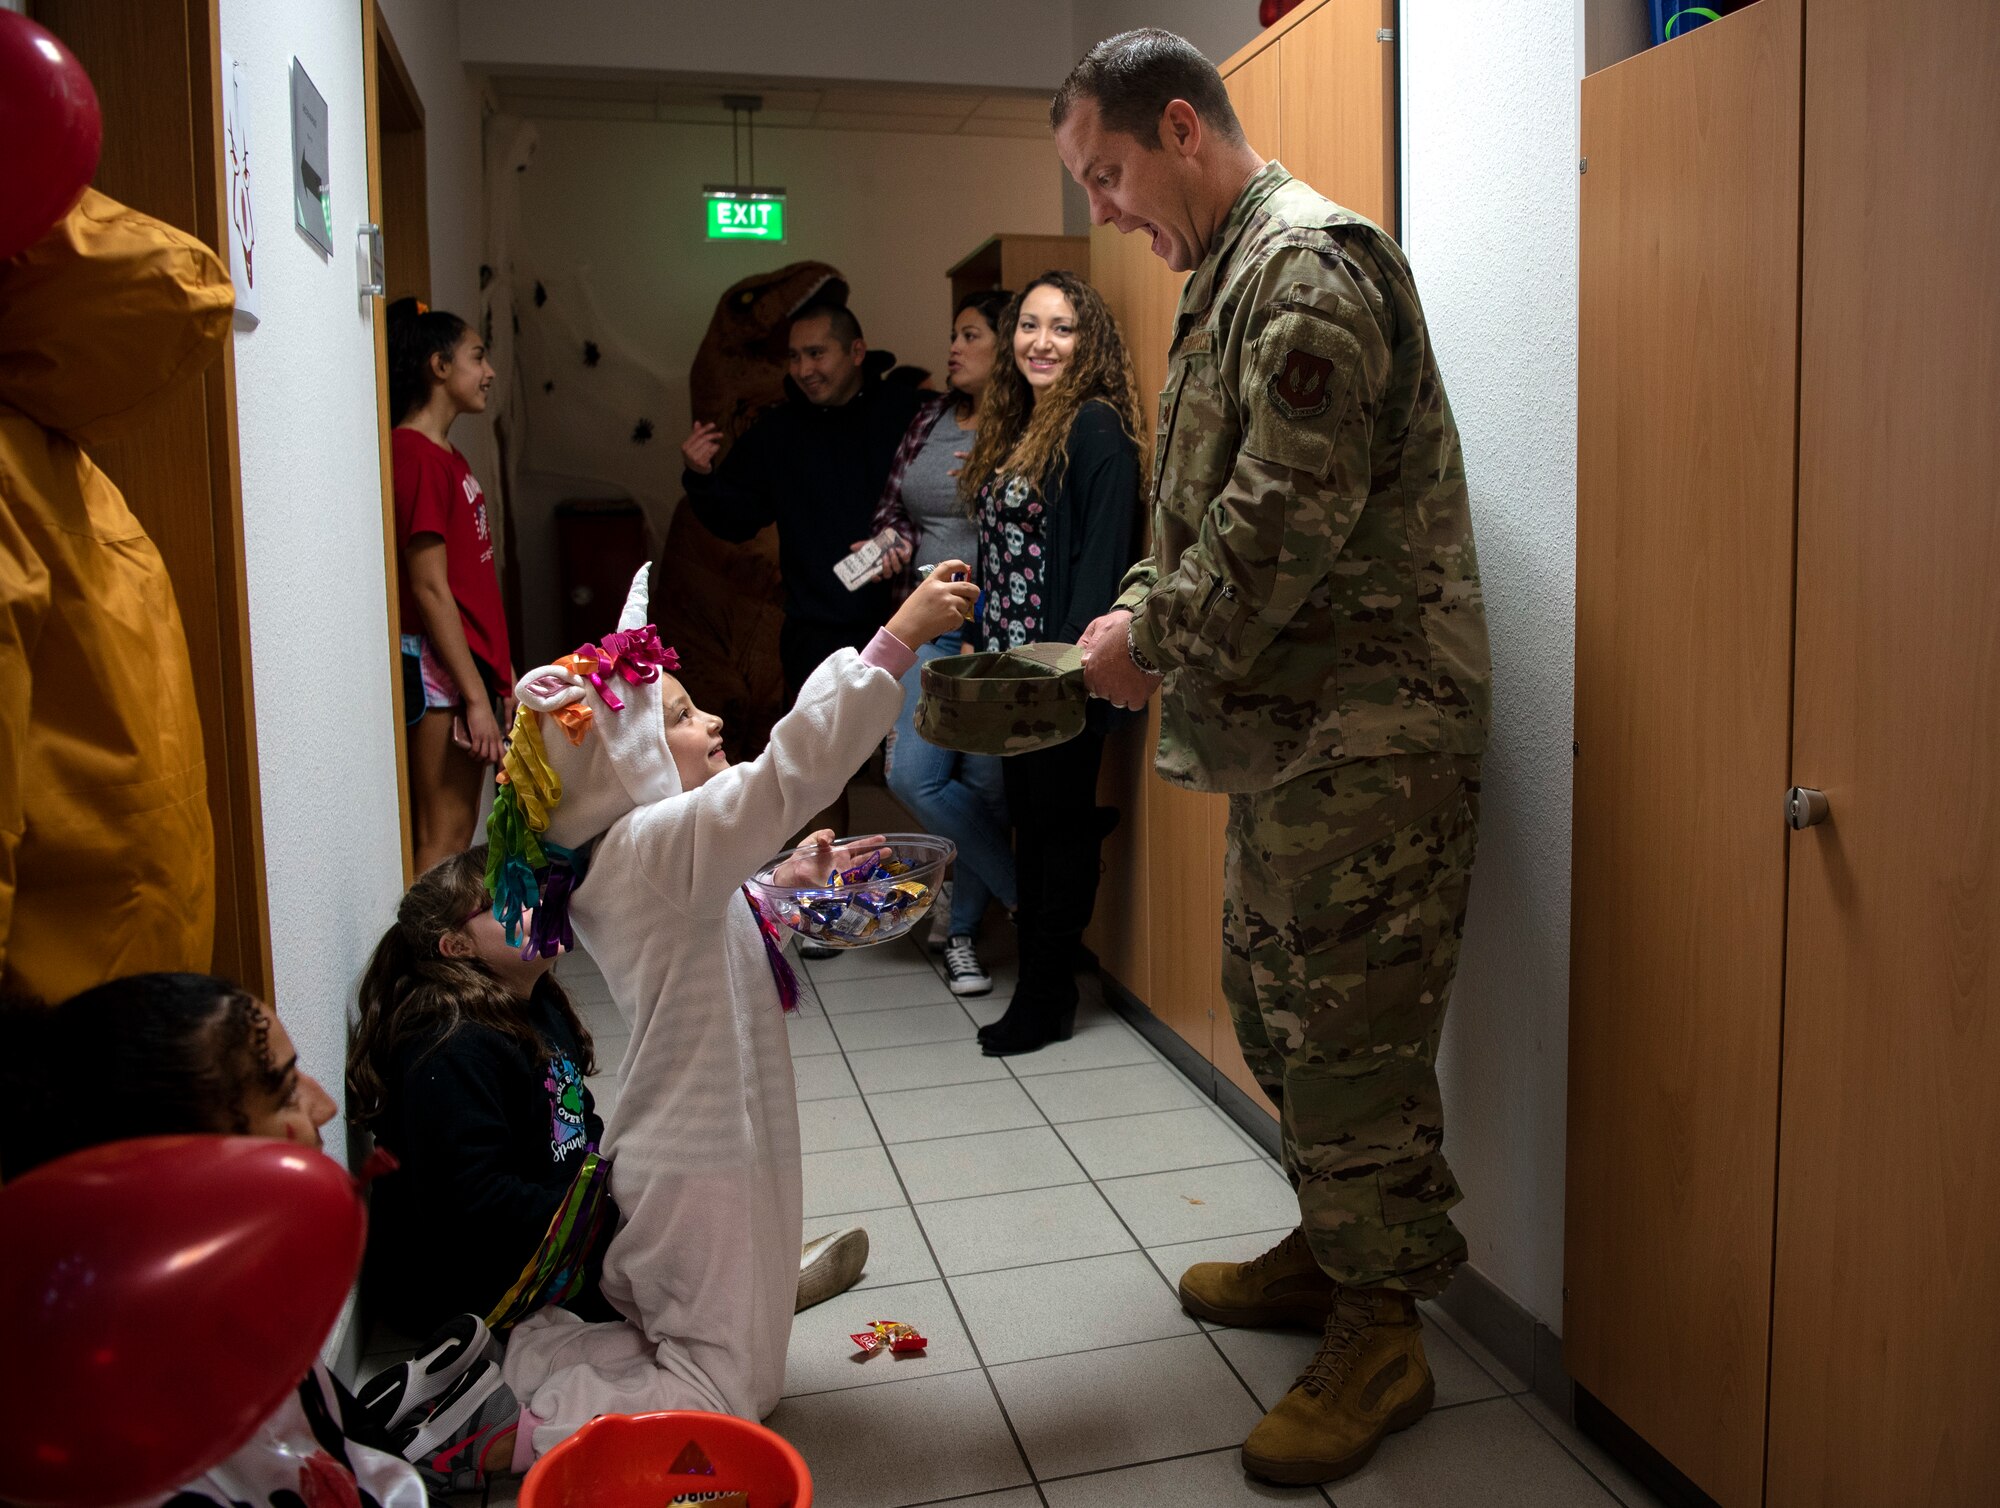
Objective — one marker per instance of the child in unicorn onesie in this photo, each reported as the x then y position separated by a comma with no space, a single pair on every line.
704,1140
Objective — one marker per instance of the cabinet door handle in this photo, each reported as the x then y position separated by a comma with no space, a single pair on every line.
1806,807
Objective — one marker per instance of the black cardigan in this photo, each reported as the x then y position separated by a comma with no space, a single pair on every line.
1094,518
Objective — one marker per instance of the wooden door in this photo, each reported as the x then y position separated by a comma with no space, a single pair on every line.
403,210
1338,105
154,67
1885,1381
383,89
1254,86
1687,387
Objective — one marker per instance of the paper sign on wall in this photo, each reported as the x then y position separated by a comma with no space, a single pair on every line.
242,226
312,190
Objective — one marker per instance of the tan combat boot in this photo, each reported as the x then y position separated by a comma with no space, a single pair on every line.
1368,1380
1284,1287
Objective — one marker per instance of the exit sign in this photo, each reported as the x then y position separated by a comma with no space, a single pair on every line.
746,214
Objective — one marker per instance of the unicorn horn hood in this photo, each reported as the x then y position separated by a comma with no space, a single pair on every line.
589,745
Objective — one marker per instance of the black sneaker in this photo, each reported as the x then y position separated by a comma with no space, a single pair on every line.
469,1436
962,970
398,1396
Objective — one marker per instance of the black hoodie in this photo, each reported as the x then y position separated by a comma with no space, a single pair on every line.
817,473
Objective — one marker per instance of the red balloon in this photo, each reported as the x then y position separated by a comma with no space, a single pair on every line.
53,130
158,1300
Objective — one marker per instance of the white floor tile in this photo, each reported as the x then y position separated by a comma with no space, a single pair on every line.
1164,1140
1000,1162
832,1125
1215,1480
810,1036
1099,1093
891,992
953,1110
1196,1203
839,1183
891,1068
822,1078
897,1251
1490,1453
1125,1406
822,1357
1060,1308
1015,1230
911,1026
902,1442
1108,1044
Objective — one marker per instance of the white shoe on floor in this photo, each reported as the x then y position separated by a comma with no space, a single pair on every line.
962,969
830,1265
941,918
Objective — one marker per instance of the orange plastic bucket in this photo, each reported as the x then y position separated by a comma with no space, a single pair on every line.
647,1460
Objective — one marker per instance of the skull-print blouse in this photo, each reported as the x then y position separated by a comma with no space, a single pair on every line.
1013,563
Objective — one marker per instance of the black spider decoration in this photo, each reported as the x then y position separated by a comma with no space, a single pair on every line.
541,294
591,355
548,387
485,276
642,431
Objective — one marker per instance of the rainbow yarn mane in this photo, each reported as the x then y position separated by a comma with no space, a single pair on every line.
525,872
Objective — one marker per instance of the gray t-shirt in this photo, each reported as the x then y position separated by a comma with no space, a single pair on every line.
930,496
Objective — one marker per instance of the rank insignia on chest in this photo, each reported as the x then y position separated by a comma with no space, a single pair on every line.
1302,387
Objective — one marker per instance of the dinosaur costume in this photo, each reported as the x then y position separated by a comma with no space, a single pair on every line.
704,1141
721,601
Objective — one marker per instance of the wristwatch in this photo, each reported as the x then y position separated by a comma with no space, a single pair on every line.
1132,648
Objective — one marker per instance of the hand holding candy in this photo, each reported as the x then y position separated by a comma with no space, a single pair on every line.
942,601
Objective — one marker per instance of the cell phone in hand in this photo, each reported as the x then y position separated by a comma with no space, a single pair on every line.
859,568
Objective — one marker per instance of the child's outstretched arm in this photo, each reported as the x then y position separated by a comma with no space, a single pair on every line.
700,848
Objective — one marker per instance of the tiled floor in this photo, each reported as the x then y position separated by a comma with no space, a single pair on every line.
1030,1216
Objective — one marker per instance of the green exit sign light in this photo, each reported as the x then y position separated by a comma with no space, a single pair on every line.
746,214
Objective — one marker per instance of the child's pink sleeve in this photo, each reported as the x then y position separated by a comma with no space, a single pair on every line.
887,652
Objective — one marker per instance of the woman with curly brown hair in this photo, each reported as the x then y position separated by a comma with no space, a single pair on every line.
1054,483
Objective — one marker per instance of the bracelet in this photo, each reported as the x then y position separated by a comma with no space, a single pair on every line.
1132,647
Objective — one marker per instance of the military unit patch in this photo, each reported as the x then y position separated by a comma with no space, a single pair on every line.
1302,388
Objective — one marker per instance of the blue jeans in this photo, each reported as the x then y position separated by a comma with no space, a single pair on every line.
956,796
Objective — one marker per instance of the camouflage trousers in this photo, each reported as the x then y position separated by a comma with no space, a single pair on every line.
1343,903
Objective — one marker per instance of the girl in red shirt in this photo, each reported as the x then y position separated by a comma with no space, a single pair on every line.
456,660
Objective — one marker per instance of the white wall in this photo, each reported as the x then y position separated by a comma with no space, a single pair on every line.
1491,123
1217,27
881,41
616,207
312,514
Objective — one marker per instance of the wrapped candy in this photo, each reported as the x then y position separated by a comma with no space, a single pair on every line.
898,1338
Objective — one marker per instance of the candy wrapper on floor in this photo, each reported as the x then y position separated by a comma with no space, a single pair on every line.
894,1336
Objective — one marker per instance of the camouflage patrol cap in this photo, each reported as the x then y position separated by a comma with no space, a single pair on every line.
1014,701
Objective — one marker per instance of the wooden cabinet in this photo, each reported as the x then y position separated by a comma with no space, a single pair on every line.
1783,1237
1011,262
1317,92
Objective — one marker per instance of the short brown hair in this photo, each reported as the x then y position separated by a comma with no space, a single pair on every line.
1136,74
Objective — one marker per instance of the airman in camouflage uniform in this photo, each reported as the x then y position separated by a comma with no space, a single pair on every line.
1313,597
1312,602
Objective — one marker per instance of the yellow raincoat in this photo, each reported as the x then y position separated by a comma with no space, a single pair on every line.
107,858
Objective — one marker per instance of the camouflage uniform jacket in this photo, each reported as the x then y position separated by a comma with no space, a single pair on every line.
1312,593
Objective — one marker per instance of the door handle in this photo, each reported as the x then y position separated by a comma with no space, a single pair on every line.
1806,807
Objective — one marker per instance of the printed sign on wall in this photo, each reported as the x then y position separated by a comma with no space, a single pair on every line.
242,225
312,192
